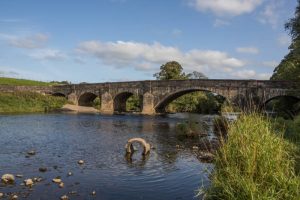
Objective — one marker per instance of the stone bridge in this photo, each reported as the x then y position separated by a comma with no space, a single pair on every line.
156,95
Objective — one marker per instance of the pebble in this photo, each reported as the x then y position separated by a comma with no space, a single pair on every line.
70,173
28,182
94,192
80,162
65,197
1,194
19,176
42,169
31,153
14,197
8,178
195,148
61,185
56,180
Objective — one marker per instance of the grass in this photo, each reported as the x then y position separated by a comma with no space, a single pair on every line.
255,162
25,102
22,82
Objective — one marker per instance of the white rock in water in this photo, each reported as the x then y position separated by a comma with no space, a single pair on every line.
28,182
65,197
80,162
61,185
8,178
1,194
14,197
94,192
56,180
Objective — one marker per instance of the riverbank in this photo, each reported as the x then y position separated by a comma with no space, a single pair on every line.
256,161
28,102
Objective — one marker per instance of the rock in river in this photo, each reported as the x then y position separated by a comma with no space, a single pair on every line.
65,197
28,182
8,178
56,180
80,162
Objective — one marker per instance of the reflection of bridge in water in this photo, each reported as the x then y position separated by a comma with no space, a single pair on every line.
156,95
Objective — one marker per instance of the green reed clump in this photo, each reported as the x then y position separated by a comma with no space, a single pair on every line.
254,163
29,102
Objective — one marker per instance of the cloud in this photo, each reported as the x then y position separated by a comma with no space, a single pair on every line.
248,50
225,7
26,42
271,13
271,63
147,57
221,22
284,40
250,74
48,54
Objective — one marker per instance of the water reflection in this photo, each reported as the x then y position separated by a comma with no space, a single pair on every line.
61,140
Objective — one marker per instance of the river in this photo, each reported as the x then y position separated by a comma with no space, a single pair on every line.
60,140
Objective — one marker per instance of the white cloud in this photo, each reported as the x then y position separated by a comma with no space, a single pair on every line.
221,22
248,50
48,54
250,74
226,7
284,40
272,13
271,63
143,56
27,42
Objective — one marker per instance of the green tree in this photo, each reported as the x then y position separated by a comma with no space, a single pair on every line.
197,75
289,68
170,71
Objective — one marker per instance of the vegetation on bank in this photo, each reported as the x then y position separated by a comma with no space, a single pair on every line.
25,82
255,162
29,102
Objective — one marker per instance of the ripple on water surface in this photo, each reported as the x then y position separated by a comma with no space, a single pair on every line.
61,140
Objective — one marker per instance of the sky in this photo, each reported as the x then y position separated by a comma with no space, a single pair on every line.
126,40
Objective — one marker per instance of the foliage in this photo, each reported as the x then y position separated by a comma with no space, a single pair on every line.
29,102
191,129
196,75
289,68
133,103
97,103
221,126
170,71
197,102
254,163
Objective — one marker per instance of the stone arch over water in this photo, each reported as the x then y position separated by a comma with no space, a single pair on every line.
86,99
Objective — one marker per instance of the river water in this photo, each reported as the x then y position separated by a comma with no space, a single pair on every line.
60,140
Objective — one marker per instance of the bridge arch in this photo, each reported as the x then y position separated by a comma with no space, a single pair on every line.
59,94
160,107
86,99
120,101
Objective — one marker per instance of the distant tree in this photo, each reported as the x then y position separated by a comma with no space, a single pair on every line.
170,71
289,68
197,75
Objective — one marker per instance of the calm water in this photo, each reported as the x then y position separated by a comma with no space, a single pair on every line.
60,140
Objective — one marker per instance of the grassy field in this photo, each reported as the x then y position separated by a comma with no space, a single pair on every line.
24,82
25,102
255,162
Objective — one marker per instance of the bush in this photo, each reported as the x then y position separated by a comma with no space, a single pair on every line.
254,163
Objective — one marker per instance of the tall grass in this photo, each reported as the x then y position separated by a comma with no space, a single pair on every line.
29,102
255,162
24,82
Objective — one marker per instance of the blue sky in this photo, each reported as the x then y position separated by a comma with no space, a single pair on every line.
120,40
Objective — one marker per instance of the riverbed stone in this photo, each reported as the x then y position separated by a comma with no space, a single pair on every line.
80,162
14,197
56,180
31,152
8,178
70,173
28,182
61,185
1,195
93,193
19,176
64,197
43,169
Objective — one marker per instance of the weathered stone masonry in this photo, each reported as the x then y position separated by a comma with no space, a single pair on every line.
156,95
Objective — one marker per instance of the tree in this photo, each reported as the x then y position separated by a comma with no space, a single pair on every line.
289,68
170,71
197,75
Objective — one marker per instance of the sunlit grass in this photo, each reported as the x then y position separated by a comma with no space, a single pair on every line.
255,162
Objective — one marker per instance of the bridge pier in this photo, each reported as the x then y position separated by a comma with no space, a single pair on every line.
148,104
73,98
107,104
